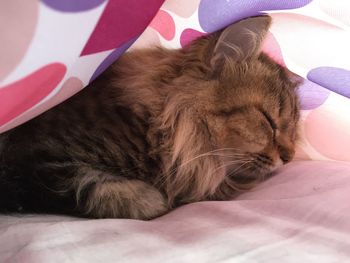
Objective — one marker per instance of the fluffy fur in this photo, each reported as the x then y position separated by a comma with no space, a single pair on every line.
158,129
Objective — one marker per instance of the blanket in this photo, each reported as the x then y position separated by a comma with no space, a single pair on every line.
53,48
300,215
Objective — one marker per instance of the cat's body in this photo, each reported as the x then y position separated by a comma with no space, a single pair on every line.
158,129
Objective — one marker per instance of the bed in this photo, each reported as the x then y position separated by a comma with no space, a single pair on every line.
53,48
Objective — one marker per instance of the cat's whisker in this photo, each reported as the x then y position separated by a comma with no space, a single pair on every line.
226,149
246,186
201,156
231,162
228,164
210,153
163,179
238,168
245,161
241,170
204,155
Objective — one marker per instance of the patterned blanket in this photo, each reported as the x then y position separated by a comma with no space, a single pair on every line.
52,49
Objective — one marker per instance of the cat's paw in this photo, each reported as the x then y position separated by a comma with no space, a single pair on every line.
125,199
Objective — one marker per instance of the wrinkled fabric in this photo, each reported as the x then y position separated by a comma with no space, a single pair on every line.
302,214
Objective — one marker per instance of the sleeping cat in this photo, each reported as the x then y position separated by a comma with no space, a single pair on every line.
158,129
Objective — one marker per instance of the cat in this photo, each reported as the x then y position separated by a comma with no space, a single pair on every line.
158,129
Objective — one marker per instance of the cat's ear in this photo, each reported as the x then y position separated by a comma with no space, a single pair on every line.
241,41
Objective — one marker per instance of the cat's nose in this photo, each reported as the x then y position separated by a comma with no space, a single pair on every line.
286,154
286,159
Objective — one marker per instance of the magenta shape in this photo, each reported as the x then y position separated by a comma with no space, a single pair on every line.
121,21
332,78
72,5
111,58
216,14
188,35
311,95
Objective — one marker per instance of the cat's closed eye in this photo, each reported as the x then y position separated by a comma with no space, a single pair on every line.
269,119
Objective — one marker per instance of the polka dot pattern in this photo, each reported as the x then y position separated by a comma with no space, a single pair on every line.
317,49
183,8
164,24
16,32
111,32
321,126
188,35
312,95
73,6
27,46
20,96
334,79
71,86
219,13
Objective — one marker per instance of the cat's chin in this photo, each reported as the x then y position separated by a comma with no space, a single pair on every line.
251,174
254,172
269,168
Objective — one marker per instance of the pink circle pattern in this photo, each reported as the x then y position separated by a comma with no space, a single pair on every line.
71,86
321,125
25,93
164,24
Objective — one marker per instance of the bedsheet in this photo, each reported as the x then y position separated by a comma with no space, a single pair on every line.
299,215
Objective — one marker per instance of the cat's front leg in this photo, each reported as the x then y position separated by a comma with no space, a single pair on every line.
118,198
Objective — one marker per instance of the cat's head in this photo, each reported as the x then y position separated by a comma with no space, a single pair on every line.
253,109
237,112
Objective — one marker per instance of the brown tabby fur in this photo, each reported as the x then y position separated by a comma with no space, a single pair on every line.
158,129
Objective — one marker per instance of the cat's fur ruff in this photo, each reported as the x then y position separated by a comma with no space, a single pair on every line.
158,129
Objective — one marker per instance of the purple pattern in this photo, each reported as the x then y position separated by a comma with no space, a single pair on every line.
216,14
334,79
73,5
111,58
312,95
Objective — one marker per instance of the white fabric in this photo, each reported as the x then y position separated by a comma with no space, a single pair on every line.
300,215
